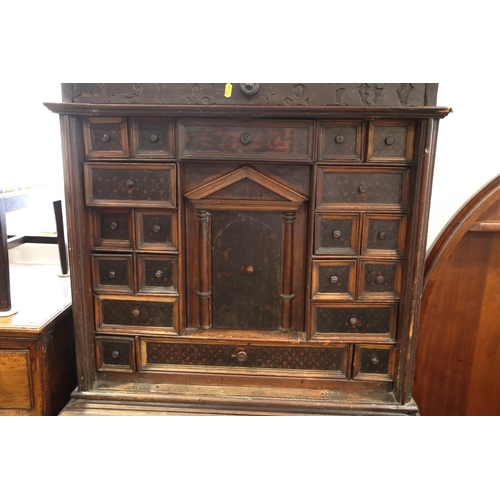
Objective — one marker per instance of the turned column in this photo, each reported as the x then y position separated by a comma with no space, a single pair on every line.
205,292
287,282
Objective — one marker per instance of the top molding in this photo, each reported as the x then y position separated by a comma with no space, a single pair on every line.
268,94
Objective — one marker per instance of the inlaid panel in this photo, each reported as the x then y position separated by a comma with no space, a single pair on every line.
379,280
115,354
374,362
157,274
156,230
113,273
336,234
334,280
391,141
105,137
152,137
341,141
383,235
113,228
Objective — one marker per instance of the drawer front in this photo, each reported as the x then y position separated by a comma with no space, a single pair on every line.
152,137
374,362
391,141
379,280
15,380
135,314
336,234
113,273
113,228
334,280
356,188
130,185
156,230
105,137
289,359
232,139
115,354
341,141
383,235
157,274
355,321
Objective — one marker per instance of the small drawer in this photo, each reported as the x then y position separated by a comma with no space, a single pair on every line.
113,273
130,184
156,230
113,229
390,141
362,188
246,139
383,235
105,137
336,234
115,354
135,314
374,362
317,361
334,280
379,280
341,141
152,137
157,273
356,321
15,380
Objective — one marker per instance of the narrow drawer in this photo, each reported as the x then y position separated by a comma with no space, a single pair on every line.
383,235
336,234
152,137
115,354
353,322
113,229
362,188
282,360
246,139
391,141
341,141
130,184
374,362
379,280
334,280
156,230
157,274
105,137
135,314
113,273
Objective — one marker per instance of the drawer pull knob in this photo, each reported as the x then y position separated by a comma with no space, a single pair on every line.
112,274
353,321
249,88
113,225
153,137
375,360
241,356
389,140
380,279
339,139
159,274
115,354
334,279
136,312
105,137
337,234
249,270
382,235
129,183
156,228
362,188
245,138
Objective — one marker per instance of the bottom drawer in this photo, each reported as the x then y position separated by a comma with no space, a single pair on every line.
210,357
115,354
374,362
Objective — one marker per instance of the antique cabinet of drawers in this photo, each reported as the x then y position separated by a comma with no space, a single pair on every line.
247,248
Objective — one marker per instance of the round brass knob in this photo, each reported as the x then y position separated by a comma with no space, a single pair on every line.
136,312
337,234
389,141
115,354
156,228
129,183
362,188
249,269
353,321
249,88
113,225
105,137
375,360
112,274
382,235
241,356
159,274
245,138
153,137
380,279
339,139
334,279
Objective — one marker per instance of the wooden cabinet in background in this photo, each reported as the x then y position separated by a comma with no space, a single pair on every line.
258,254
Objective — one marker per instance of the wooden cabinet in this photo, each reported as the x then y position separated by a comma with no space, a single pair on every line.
256,254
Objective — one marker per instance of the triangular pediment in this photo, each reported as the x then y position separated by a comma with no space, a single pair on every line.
245,184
